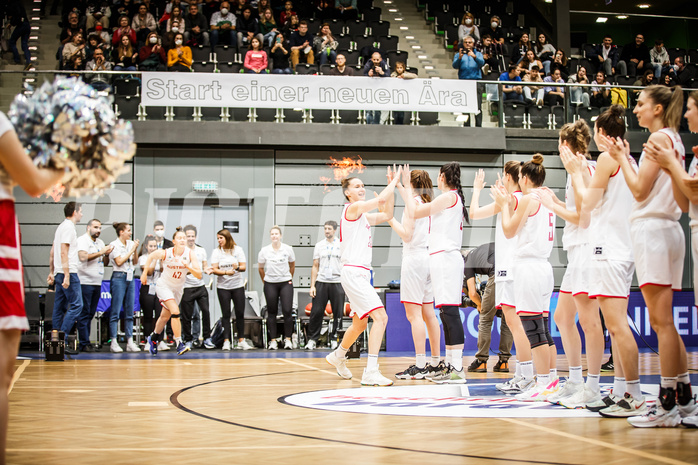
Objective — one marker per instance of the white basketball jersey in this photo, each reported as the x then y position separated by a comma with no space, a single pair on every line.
504,248
174,273
572,234
693,208
446,228
355,241
535,239
420,233
609,229
660,203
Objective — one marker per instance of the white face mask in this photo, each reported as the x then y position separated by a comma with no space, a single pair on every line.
224,11
494,24
175,29
468,22
153,40
178,42
676,68
160,233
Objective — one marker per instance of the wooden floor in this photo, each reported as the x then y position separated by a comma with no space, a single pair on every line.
227,410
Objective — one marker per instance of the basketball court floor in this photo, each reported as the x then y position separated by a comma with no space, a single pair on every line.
290,407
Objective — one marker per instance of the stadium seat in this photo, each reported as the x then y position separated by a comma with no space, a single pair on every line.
204,67
305,68
225,54
514,114
201,53
538,116
126,86
127,106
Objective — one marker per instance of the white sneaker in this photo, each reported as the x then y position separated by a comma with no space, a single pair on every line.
288,344
628,406
226,345
604,402
294,340
581,398
131,346
535,394
273,345
340,364
311,345
567,390
115,347
450,376
333,344
244,345
162,346
657,417
507,383
690,409
374,378
518,385
690,422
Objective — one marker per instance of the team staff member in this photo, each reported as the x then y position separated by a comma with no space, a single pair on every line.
159,233
123,289
325,285
195,292
93,256
481,261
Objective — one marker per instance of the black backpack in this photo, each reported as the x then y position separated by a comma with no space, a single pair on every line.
217,333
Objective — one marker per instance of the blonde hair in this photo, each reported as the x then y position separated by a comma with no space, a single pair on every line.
671,99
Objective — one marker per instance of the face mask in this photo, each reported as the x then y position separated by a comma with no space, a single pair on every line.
468,22
178,42
676,68
98,27
494,24
160,233
175,29
224,11
153,40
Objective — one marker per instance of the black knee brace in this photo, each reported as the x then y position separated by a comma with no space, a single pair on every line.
535,331
548,336
175,315
453,327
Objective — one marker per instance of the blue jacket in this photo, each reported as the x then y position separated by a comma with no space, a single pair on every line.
469,67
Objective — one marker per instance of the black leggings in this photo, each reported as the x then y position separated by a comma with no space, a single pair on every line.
272,293
238,298
335,294
151,308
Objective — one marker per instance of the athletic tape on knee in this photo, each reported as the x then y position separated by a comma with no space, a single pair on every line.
175,315
548,336
533,325
454,335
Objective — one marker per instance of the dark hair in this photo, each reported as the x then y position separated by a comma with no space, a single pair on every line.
144,244
512,67
608,36
512,168
251,47
119,227
303,22
612,121
93,220
577,135
247,8
229,241
644,76
658,42
70,208
421,182
332,223
178,230
158,223
190,227
485,36
535,68
451,172
534,170
671,100
345,185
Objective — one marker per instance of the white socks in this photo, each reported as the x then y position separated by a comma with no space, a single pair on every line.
593,382
527,369
421,360
633,388
576,375
456,359
435,359
341,351
372,362
619,386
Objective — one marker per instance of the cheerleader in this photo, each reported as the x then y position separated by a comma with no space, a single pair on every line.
504,285
356,251
574,291
684,185
534,227
176,262
15,168
446,212
415,286
659,245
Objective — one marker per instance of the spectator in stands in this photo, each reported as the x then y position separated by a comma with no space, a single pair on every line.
179,57
300,42
400,72
509,91
324,10
606,56
601,92
75,63
346,10
647,79
529,91
545,52
579,94
325,45
98,63
634,57
124,29
291,26
152,55
247,28
176,15
238,5
287,13
169,37
98,12
489,54
103,34
256,60
376,68
222,26
468,60
263,5
124,8
560,63
143,23
267,27
341,68
71,29
679,73
280,56
659,58
152,7
495,31
94,41
520,50
74,48
125,56
527,63
468,28
196,27
554,95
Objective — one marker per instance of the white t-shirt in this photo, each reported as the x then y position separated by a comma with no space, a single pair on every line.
121,250
276,263
329,255
152,279
6,183
91,272
192,281
65,234
227,261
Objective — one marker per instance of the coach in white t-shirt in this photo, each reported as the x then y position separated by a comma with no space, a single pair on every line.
195,292
93,256
67,305
325,286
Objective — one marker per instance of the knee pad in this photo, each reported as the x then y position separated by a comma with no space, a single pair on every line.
548,336
174,316
450,315
533,325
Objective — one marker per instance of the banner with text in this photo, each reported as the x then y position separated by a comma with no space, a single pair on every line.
308,92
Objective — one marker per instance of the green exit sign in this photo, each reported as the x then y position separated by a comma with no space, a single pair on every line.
204,186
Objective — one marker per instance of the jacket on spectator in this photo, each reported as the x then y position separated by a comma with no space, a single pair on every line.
173,57
383,65
631,51
246,26
150,60
598,52
549,80
297,39
116,38
148,22
191,22
660,57
467,66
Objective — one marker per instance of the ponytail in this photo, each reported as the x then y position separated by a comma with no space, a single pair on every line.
421,183
451,172
671,100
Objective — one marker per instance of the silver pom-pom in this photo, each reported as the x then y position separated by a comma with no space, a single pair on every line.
66,125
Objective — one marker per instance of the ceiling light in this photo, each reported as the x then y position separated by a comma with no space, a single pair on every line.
621,17
409,37
643,5
548,1
601,19
393,10
404,28
428,67
398,19
422,57
416,47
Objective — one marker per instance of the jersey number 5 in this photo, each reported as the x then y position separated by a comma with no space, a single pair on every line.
551,223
